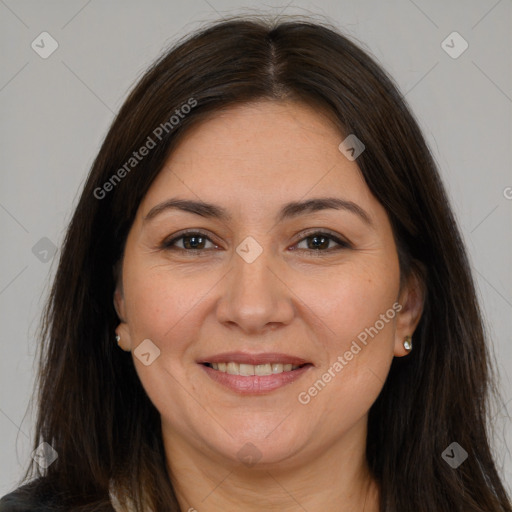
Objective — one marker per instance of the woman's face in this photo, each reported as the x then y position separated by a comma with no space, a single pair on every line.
263,276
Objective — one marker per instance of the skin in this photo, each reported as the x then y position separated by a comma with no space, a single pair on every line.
294,299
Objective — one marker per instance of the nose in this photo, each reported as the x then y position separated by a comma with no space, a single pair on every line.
255,296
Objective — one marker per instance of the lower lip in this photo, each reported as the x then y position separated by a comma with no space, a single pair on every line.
255,384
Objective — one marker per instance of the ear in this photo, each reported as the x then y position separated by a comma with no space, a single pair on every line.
119,303
122,329
411,298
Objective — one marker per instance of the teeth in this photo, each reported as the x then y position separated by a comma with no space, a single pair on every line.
233,369
263,369
246,370
277,368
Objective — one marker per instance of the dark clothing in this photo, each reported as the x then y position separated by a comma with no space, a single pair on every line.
33,497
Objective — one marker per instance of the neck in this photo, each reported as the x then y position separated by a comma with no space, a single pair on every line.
334,477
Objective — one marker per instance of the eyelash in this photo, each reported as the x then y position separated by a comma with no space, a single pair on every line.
169,244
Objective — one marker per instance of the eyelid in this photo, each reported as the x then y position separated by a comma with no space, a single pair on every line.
342,243
166,243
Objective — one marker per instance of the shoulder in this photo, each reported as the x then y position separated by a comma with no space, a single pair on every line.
27,497
34,497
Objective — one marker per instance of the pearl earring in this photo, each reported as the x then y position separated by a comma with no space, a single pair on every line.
118,339
408,343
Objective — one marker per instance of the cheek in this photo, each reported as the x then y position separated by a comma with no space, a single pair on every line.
162,306
155,303
353,298
358,309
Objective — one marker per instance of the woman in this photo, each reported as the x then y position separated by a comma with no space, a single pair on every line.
266,236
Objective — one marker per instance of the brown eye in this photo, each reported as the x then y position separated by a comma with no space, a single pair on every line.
320,242
190,241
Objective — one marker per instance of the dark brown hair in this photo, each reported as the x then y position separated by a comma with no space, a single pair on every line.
93,409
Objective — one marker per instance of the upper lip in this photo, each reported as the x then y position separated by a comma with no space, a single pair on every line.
254,359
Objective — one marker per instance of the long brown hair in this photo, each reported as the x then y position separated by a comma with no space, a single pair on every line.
93,409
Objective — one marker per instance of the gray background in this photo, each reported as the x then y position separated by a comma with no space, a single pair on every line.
56,111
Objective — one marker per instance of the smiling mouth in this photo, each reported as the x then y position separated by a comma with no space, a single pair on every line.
254,374
249,370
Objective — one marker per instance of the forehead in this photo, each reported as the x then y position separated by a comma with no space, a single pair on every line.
260,155
256,134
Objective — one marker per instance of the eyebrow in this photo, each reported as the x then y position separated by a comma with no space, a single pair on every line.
288,211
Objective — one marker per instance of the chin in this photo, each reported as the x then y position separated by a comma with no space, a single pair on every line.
261,450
